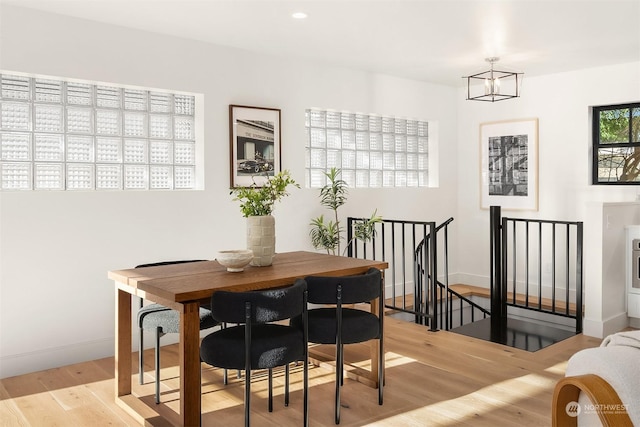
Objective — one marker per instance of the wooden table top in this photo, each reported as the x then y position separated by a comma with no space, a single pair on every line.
196,281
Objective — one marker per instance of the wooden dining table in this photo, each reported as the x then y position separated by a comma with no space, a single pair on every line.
183,287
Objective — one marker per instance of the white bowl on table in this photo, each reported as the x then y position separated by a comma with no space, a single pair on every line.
235,260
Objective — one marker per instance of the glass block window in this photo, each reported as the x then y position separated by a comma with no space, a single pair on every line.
371,150
63,135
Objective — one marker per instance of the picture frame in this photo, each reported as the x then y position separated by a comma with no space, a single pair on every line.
509,164
255,143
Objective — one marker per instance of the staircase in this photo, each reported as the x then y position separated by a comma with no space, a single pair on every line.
416,251
526,309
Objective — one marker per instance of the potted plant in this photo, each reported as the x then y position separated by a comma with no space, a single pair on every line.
257,204
327,235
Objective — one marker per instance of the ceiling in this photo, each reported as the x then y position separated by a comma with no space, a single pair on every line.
437,41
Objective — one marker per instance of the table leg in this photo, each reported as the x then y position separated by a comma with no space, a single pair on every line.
123,343
377,346
189,350
377,363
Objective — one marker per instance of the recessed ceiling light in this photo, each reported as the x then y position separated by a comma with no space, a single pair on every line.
299,15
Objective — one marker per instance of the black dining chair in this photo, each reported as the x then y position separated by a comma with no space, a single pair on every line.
162,320
255,342
339,325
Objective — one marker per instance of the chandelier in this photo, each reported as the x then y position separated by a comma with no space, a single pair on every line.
493,85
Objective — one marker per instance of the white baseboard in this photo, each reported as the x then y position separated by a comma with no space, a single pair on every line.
34,361
469,279
18,364
601,328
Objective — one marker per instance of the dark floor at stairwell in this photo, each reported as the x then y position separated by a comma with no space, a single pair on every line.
521,334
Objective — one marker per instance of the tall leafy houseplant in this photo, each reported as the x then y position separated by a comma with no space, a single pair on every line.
257,204
327,234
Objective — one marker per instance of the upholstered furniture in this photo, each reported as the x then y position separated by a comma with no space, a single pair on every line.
256,342
336,324
183,287
162,320
602,385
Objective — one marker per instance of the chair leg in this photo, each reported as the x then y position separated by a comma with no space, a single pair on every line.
140,347
225,378
305,412
342,365
158,332
247,365
380,372
270,390
286,385
141,356
338,381
247,397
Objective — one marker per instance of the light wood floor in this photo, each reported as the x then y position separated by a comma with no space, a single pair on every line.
433,379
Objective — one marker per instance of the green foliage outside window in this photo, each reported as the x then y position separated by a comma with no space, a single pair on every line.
616,144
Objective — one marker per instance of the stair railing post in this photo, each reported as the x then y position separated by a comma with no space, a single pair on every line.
579,278
498,307
447,323
433,273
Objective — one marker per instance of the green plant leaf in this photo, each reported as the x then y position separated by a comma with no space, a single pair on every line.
259,201
366,230
326,235
334,194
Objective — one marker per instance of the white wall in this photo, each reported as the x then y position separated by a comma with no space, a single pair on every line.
561,103
606,255
56,304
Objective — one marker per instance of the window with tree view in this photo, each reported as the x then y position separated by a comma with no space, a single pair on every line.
616,144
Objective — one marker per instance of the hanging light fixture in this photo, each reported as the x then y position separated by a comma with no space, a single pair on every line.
493,85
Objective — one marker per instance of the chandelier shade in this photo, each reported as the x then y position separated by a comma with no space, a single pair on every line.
493,85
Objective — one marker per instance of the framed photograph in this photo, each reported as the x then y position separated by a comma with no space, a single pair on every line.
509,164
255,144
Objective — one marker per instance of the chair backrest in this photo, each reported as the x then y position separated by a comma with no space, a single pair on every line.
355,289
156,264
268,305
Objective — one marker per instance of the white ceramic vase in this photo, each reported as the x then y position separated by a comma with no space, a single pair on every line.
261,239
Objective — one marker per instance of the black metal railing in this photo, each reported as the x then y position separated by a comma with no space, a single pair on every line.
424,256
467,310
452,308
416,252
395,242
537,265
